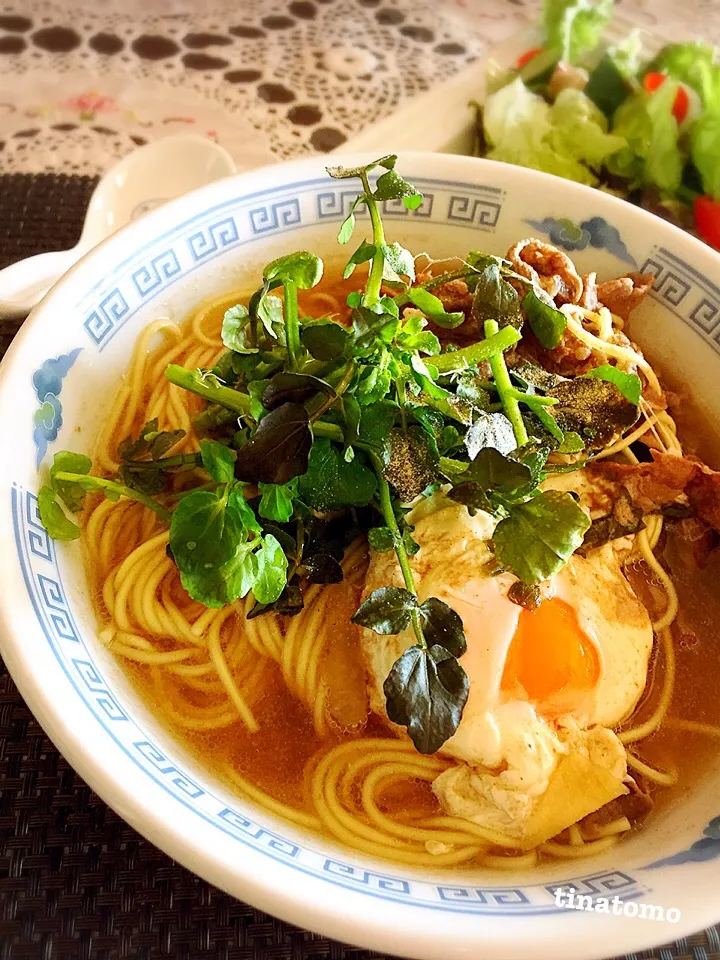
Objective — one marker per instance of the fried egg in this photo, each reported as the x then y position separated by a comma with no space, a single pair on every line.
539,680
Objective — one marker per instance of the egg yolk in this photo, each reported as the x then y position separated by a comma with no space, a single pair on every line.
551,660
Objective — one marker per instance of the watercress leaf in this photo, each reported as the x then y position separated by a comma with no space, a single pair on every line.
129,449
490,430
331,482
592,407
413,463
52,517
270,313
426,691
572,443
276,500
434,309
271,575
546,321
148,480
353,299
163,442
346,228
397,262
539,536
209,543
525,595
387,610
391,186
443,626
494,298
233,333
449,439
472,495
325,340
71,494
218,460
302,268
293,388
323,568
256,389
494,471
468,386
432,422
279,448
347,173
411,546
413,201
531,374
366,251
625,518
373,384
534,457
629,384
381,539
425,342
376,422
288,604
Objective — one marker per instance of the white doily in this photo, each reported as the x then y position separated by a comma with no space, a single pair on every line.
266,78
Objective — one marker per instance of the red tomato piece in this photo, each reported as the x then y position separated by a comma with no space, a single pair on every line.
653,81
527,57
707,220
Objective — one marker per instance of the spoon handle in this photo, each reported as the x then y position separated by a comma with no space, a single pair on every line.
25,283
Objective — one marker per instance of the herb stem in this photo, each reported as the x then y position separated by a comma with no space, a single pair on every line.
181,459
493,346
208,388
504,386
113,487
391,522
292,325
339,389
374,284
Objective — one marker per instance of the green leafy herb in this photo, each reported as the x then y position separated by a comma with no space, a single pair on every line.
277,500
490,430
624,519
324,340
546,321
271,575
434,309
234,330
629,384
388,610
331,482
539,536
218,460
494,298
293,388
426,691
413,462
594,408
279,448
71,494
52,517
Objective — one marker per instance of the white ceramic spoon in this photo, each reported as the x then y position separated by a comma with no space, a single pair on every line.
141,181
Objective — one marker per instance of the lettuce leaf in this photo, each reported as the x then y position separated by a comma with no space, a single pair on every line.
575,27
705,151
567,139
694,64
652,154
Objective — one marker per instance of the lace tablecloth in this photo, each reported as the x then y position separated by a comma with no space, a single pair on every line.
83,82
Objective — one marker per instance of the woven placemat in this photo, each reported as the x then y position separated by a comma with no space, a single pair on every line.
76,882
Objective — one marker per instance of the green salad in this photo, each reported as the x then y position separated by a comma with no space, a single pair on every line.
608,115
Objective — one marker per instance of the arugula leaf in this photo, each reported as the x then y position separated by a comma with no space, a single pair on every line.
629,384
233,333
210,545
271,575
443,626
434,309
388,610
71,494
218,460
413,463
331,482
490,430
324,340
426,691
592,407
293,388
546,321
276,501
495,298
302,268
52,517
366,251
574,27
279,448
539,536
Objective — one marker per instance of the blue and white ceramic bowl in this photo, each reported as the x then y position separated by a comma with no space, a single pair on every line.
55,386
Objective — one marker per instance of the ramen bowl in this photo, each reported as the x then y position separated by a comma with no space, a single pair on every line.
56,385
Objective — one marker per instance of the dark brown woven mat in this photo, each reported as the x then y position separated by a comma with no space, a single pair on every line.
76,882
